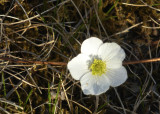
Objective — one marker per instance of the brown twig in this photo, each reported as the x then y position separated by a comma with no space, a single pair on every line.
33,62
141,61
64,64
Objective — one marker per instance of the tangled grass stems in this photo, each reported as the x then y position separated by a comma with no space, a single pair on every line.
34,34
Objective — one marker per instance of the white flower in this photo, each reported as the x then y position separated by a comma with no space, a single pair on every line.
98,66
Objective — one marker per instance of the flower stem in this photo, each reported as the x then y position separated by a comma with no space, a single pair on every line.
96,104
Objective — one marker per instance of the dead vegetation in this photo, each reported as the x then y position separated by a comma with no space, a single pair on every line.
52,30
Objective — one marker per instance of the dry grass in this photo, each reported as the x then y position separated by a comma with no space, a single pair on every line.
52,30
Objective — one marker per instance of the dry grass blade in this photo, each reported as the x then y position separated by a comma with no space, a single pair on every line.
1,27
5,111
11,103
82,106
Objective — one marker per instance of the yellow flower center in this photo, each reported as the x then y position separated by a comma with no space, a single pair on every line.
98,67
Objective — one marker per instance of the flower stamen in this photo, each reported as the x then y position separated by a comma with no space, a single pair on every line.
98,67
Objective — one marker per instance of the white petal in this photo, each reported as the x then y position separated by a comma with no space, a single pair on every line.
91,45
112,53
117,76
78,66
114,63
94,85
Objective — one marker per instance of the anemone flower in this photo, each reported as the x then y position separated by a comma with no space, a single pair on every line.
98,66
